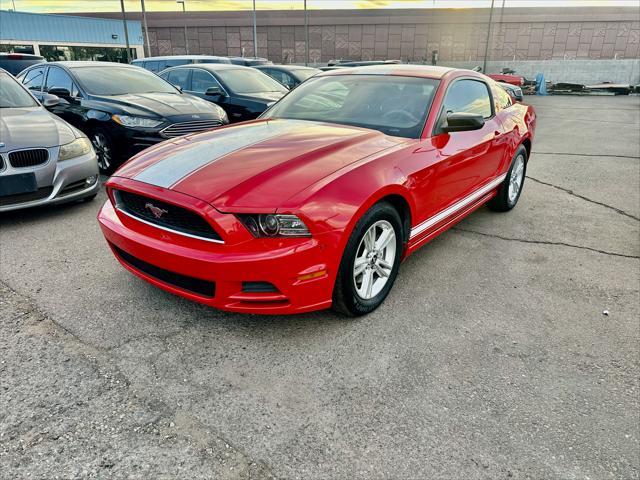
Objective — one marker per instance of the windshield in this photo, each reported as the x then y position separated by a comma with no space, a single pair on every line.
394,105
120,81
12,95
248,80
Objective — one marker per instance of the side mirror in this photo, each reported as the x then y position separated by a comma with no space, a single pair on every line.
462,122
60,92
179,88
49,100
214,91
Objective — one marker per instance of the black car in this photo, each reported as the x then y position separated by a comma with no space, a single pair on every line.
243,92
288,75
14,63
123,109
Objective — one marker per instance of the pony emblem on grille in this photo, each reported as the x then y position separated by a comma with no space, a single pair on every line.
157,211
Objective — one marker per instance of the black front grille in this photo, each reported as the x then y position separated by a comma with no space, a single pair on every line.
185,128
1,162
25,197
29,158
184,282
165,215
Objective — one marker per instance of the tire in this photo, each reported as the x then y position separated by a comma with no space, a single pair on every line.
351,295
511,189
105,150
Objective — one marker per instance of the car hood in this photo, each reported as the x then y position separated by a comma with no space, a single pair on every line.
263,97
257,164
32,127
159,104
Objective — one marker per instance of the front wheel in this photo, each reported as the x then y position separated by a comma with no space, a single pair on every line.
103,146
370,262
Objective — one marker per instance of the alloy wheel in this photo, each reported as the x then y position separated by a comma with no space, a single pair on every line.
374,259
103,150
516,178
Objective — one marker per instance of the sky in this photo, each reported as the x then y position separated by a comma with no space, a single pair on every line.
44,6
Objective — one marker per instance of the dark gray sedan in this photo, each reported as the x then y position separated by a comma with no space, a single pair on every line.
43,159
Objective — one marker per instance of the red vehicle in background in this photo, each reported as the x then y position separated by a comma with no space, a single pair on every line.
316,203
516,80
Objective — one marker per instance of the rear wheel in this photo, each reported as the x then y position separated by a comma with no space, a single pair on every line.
370,262
510,190
103,146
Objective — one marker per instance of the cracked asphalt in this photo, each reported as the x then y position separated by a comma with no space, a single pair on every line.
491,359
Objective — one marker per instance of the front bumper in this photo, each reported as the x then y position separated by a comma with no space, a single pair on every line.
287,264
58,182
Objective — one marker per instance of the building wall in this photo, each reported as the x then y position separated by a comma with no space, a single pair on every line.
518,34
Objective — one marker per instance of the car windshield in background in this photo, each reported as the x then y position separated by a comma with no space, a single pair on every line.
249,81
394,105
120,81
12,95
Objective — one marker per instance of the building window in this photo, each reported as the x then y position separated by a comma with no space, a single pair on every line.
55,53
6,48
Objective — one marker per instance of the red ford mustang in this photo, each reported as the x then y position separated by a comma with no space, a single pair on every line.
316,203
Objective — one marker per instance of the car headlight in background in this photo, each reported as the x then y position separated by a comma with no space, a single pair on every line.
274,225
131,121
80,146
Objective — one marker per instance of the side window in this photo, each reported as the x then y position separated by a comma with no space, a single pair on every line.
470,96
152,66
34,79
179,78
58,78
501,98
202,80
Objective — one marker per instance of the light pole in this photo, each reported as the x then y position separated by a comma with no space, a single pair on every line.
14,5
126,31
146,27
255,31
306,35
486,50
186,38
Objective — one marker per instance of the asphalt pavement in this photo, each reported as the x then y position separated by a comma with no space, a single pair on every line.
509,347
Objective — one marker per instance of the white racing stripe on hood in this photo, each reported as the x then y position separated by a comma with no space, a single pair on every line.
169,171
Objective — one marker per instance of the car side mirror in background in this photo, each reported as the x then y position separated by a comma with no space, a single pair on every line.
59,92
49,100
214,91
462,122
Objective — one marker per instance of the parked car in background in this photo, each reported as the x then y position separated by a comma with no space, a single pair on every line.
509,78
249,61
243,92
316,203
360,63
514,92
14,63
43,159
122,108
288,75
157,64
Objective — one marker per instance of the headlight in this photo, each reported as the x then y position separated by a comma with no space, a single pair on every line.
274,225
80,146
131,121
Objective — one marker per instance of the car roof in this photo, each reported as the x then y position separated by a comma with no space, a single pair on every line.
82,63
424,71
177,57
285,67
213,66
20,56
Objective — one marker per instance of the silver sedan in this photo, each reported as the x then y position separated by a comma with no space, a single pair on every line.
43,159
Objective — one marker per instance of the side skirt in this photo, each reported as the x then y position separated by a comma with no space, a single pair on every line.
428,235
